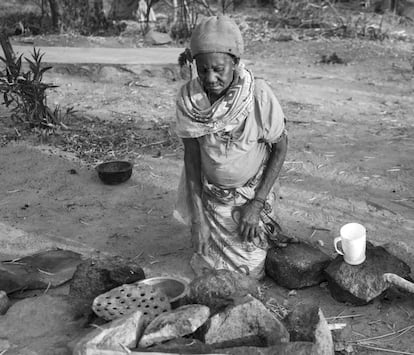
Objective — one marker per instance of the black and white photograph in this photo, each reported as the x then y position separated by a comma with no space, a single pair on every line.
229,177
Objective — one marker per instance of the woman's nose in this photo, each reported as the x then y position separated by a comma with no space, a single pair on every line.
210,77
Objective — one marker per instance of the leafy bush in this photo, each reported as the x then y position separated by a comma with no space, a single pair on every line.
316,18
301,13
26,23
25,94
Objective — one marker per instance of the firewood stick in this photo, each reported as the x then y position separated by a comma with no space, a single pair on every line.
398,281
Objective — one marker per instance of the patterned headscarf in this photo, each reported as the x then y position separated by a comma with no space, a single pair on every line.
217,34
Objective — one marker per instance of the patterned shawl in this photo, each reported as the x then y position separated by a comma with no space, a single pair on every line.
196,117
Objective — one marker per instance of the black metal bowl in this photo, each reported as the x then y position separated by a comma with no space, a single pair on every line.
114,172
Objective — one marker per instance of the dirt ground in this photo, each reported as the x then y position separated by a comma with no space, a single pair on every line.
351,143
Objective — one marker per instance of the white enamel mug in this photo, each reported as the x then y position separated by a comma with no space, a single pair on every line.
353,241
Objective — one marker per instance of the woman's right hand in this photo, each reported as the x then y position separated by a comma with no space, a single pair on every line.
200,234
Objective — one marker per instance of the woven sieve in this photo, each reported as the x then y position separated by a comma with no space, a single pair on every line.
126,299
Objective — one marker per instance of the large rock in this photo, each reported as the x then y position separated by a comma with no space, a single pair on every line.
174,324
101,274
157,38
114,336
42,325
4,303
297,265
360,284
42,270
306,323
218,289
38,316
301,322
295,348
246,324
400,249
183,346
4,344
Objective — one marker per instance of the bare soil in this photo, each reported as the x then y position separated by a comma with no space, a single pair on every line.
351,143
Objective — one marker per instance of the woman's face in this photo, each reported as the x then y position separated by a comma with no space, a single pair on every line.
215,71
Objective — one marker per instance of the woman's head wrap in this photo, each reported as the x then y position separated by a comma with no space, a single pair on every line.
217,34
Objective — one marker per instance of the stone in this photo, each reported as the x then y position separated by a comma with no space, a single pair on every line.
283,37
130,28
115,336
50,268
4,302
294,348
297,265
248,323
218,289
42,325
306,323
183,346
38,316
301,322
402,251
342,335
181,321
98,275
55,349
360,284
95,351
4,344
157,38
10,283
324,344
22,351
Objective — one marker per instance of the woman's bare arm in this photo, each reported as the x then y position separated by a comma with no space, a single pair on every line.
274,165
192,163
250,214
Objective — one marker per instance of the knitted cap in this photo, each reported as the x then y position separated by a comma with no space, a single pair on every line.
217,34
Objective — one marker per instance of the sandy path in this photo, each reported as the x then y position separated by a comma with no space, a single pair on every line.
129,56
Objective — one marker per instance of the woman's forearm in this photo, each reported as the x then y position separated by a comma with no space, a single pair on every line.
192,165
274,165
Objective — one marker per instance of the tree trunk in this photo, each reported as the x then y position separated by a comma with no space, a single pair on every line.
98,15
54,13
7,47
175,11
8,51
84,16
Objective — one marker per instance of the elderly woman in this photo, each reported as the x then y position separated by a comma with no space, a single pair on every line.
235,143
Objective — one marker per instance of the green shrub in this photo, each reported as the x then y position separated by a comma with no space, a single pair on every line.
25,94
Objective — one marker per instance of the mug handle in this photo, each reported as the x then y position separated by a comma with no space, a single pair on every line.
336,241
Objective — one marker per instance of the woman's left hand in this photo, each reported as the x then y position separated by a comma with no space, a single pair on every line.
249,219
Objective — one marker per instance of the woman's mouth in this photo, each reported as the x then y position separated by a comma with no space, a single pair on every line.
213,88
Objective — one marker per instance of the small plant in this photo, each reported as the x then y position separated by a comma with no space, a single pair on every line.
25,93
